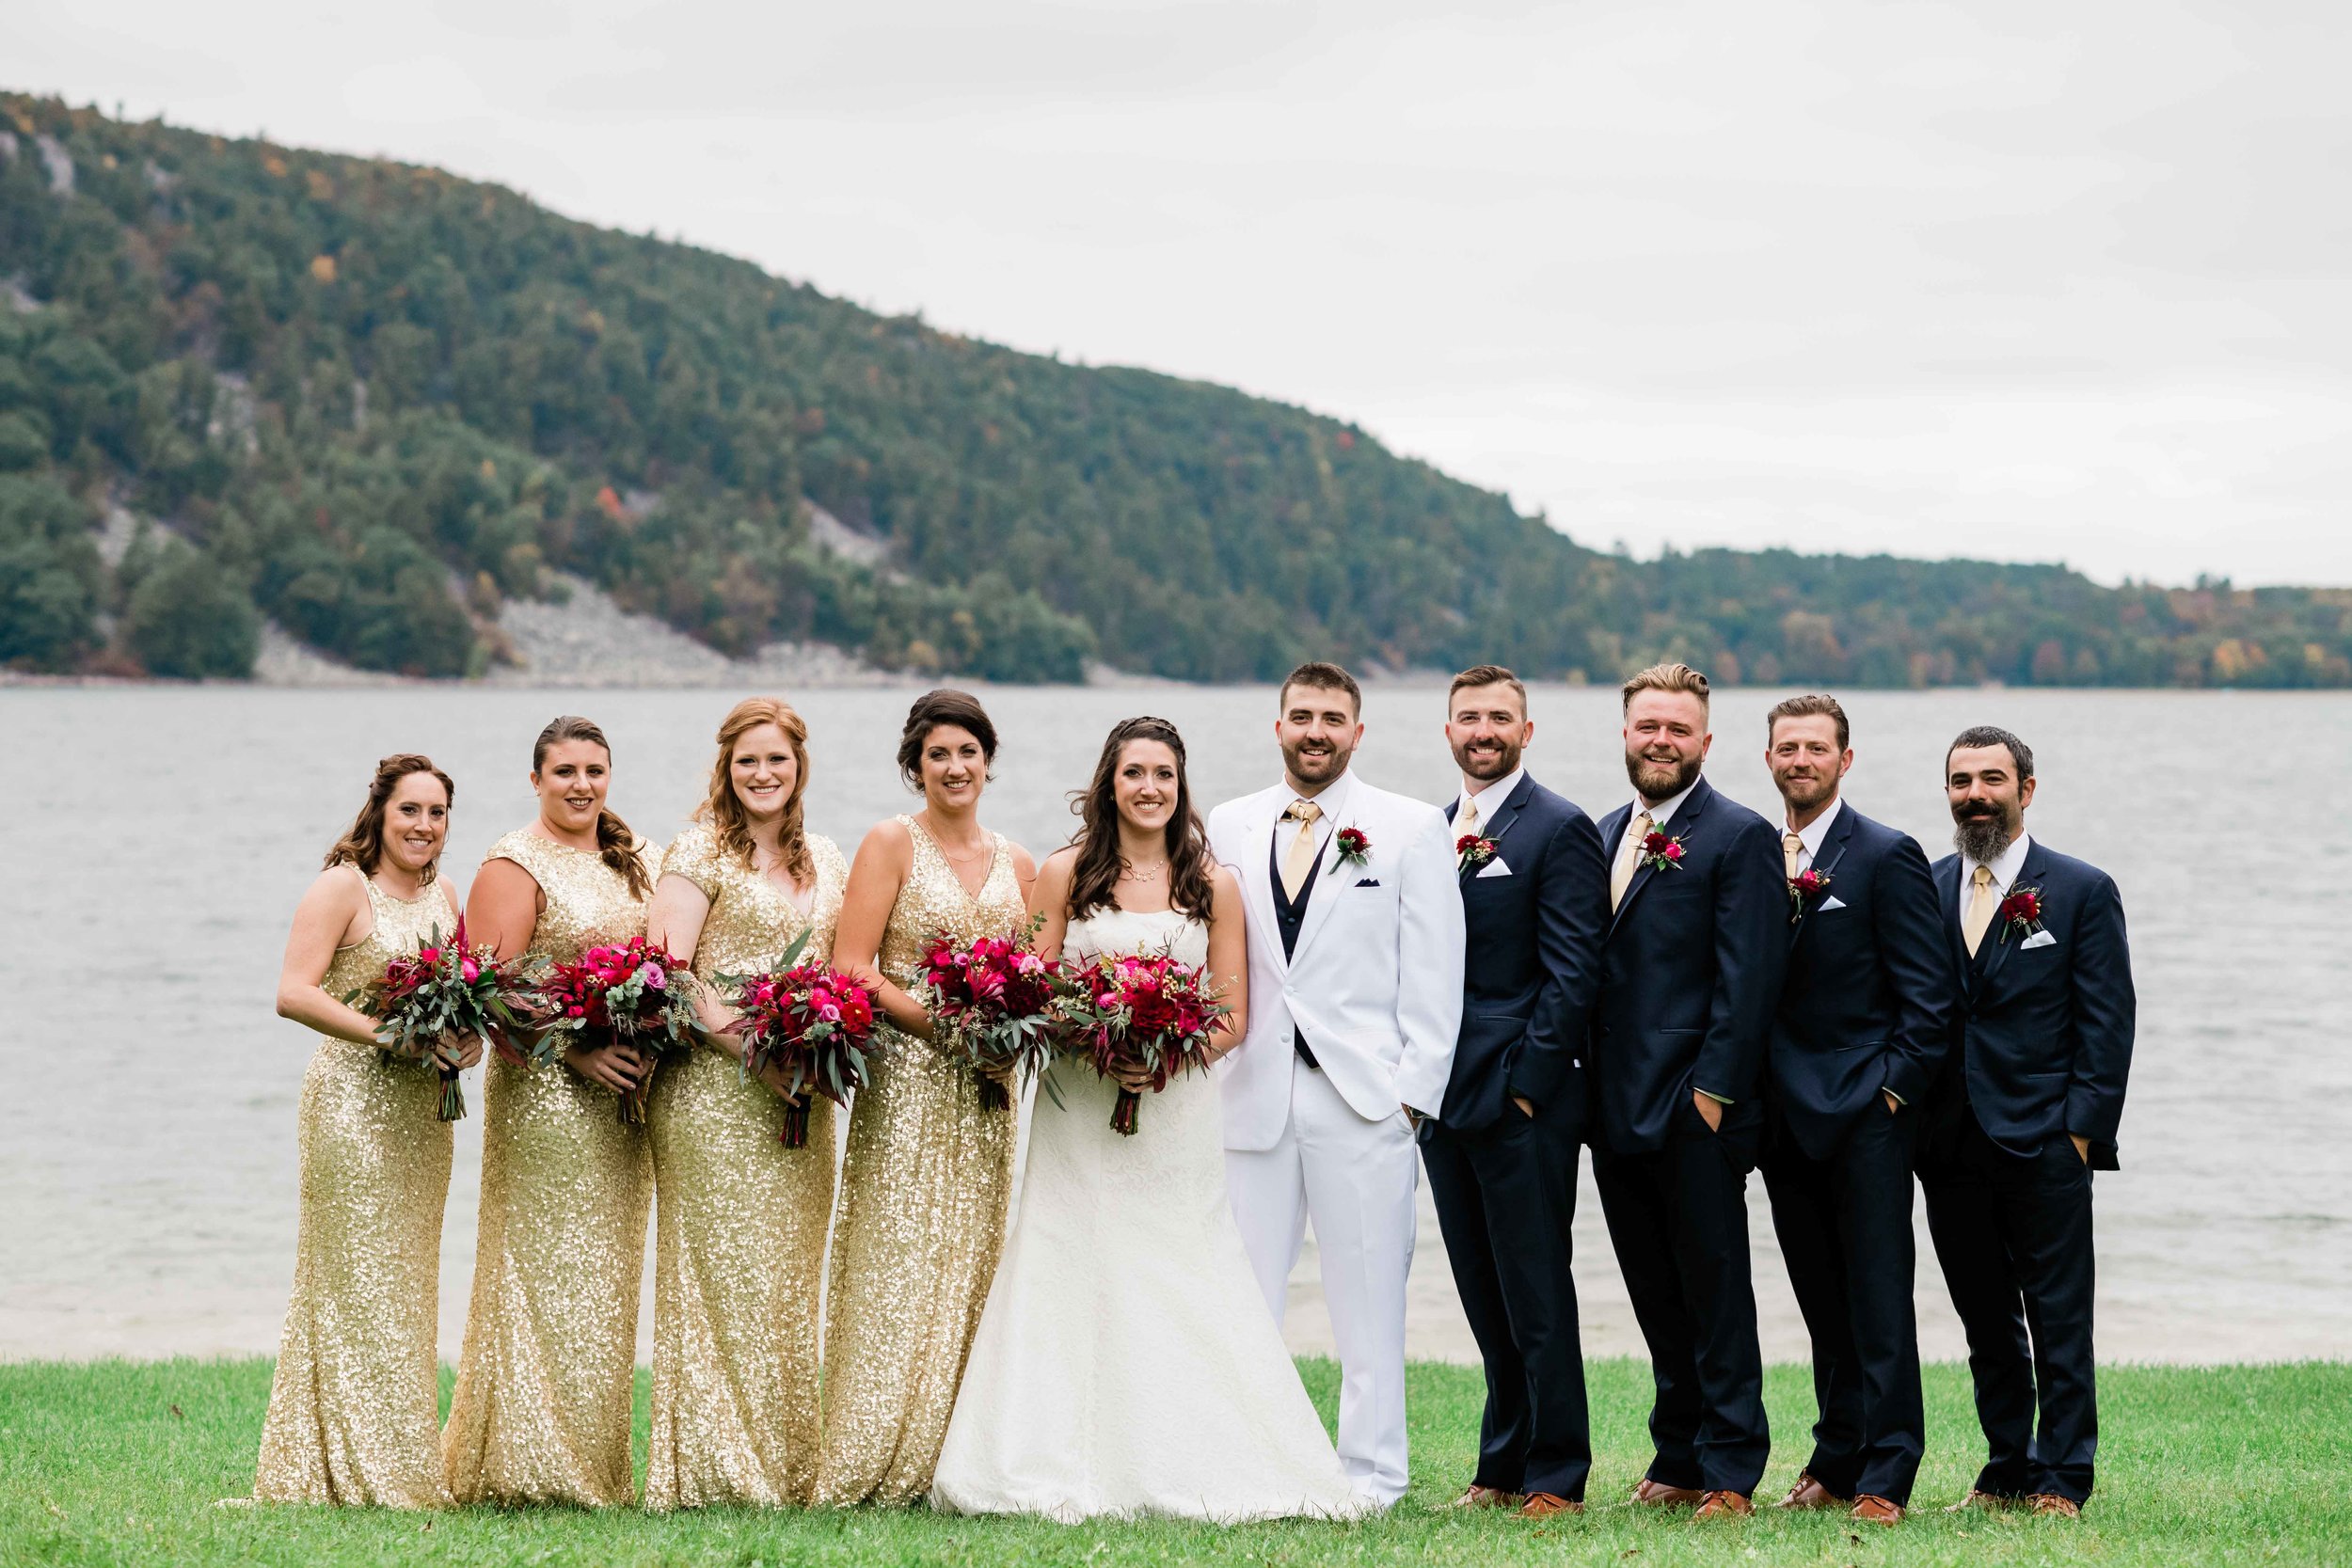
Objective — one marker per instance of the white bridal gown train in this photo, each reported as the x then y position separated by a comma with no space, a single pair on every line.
1126,1363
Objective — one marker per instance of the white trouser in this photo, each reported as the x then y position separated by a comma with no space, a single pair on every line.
1355,1179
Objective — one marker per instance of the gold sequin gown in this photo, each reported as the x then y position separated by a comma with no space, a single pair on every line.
740,1220
354,1409
924,1188
542,1408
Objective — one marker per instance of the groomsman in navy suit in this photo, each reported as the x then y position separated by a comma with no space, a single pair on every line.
2028,1105
1501,1159
1690,973
1862,1030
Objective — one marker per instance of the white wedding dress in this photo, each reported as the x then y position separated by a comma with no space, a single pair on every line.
1126,1363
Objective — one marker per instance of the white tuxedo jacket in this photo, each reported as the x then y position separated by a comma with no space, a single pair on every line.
1376,980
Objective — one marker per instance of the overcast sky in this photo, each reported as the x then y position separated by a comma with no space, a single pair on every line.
2036,281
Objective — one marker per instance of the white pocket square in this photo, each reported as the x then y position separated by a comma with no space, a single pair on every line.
2041,939
1494,867
1832,902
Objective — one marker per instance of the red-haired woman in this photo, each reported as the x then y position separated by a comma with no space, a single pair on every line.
740,1223
353,1410
542,1408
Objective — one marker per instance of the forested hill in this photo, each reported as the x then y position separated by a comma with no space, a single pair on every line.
372,401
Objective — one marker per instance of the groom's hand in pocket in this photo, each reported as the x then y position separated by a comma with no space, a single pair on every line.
1526,1109
1710,1110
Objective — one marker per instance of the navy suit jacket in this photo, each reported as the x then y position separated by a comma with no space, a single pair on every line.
1532,962
2043,1036
1872,987
1690,975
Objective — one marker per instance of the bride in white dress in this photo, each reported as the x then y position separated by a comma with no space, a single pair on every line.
1126,1364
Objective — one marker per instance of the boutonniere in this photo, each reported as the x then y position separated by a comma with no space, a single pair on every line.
2021,911
1353,846
1661,852
1470,850
1806,887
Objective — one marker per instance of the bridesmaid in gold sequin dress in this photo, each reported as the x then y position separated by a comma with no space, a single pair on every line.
353,1409
740,1220
542,1408
928,1170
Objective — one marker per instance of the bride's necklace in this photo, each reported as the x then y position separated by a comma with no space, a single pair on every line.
1130,872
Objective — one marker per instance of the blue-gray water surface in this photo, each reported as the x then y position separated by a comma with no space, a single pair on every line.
159,837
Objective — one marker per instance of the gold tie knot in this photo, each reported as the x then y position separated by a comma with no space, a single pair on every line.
1792,846
1983,877
1793,842
1302,811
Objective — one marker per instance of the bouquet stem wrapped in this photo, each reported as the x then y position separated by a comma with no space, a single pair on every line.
810,1019
444,991
635,994
1139,1017
991,1005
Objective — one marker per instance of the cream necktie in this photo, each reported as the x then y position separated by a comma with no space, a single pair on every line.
1299,857
1466,820
1792,846
1979,913
1622,877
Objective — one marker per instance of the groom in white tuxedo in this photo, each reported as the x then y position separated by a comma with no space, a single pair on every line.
1355,1000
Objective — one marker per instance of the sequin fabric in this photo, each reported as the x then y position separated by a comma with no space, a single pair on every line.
354,1413
924,1187
542,1408
740,1220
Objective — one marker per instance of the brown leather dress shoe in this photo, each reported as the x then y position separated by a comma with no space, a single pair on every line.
1868,1510
1543,1505
1656,1494
1486,1496
1809,1492
2054,1505
1989,1502
1725,1505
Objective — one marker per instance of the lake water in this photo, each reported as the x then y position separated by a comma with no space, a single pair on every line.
158,838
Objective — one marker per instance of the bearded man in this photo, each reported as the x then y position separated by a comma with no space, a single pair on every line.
2028,1105
1502,1157
1690,973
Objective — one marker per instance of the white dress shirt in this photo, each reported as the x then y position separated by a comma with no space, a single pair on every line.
1487,798
1331,802
2006,866
1810,836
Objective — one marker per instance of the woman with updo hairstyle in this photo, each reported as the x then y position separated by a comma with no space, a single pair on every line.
740,1220
354,1412
541,1413
928,1170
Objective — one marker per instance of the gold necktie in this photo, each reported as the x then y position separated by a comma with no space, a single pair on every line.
1299,857
1790,847
1980,916
1622,877
1467,821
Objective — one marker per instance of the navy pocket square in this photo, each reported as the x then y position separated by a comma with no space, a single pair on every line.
1369,881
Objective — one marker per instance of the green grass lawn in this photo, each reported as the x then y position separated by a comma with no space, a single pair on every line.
120,1463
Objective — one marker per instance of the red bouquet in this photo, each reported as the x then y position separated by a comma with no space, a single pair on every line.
1806,887
635,994
1147,1016
812,1021
2021,911
443,991
1661,852
990,1004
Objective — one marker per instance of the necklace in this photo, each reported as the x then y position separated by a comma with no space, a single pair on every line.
1130,872
981,848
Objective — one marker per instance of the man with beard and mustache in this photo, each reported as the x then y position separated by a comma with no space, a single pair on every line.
1691,971
2028,1105
1502,1159
1864,1023
1355,999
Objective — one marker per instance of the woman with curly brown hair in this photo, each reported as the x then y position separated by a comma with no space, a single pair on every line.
353,1416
